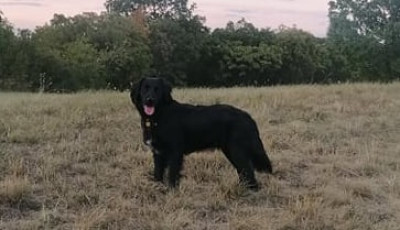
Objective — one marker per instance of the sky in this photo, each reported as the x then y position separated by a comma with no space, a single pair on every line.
309,15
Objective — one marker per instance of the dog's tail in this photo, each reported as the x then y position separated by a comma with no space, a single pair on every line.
260,159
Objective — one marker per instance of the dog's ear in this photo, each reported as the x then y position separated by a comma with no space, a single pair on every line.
135,92
167,90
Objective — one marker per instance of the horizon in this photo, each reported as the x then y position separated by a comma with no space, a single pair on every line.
311,17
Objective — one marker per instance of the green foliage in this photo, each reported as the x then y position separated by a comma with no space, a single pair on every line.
154,9
7,47
249,65
165,37
176,46
90,51
244,32
368,32
83,64
176,35
302,57
125,63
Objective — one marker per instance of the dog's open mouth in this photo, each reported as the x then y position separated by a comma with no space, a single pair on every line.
149,110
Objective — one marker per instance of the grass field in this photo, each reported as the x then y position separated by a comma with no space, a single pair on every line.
76,162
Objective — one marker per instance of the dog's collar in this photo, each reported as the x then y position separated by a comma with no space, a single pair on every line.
148,126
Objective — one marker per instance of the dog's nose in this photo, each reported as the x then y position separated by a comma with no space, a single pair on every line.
149,100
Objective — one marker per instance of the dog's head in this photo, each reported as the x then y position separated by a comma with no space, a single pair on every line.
150,94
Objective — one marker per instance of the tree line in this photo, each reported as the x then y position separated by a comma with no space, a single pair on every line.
133,38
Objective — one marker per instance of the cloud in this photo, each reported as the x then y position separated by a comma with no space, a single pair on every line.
236,11
41,11
21,3
310,15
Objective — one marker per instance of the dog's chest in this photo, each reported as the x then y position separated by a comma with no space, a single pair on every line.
152,146
150,136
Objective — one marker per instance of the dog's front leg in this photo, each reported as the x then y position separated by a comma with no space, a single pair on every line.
175,166
159,166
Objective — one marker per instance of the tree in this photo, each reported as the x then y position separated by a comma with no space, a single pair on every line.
371,30
125,41
251,65
165,37
176,35
240,54
245,32
91,51
126,63
302,56
7,48
155,9
176,47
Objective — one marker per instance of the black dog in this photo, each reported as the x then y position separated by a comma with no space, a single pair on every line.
173,129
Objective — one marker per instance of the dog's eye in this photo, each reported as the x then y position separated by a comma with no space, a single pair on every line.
146,87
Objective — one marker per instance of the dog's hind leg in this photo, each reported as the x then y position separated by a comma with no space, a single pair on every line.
227,154
243,166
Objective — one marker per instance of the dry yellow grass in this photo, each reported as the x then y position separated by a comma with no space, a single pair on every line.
14,190
76,162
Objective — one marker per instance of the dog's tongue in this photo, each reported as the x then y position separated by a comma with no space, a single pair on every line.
149,110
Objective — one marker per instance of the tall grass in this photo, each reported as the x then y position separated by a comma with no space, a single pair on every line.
76,162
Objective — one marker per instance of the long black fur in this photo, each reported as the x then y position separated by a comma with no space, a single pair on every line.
176,129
